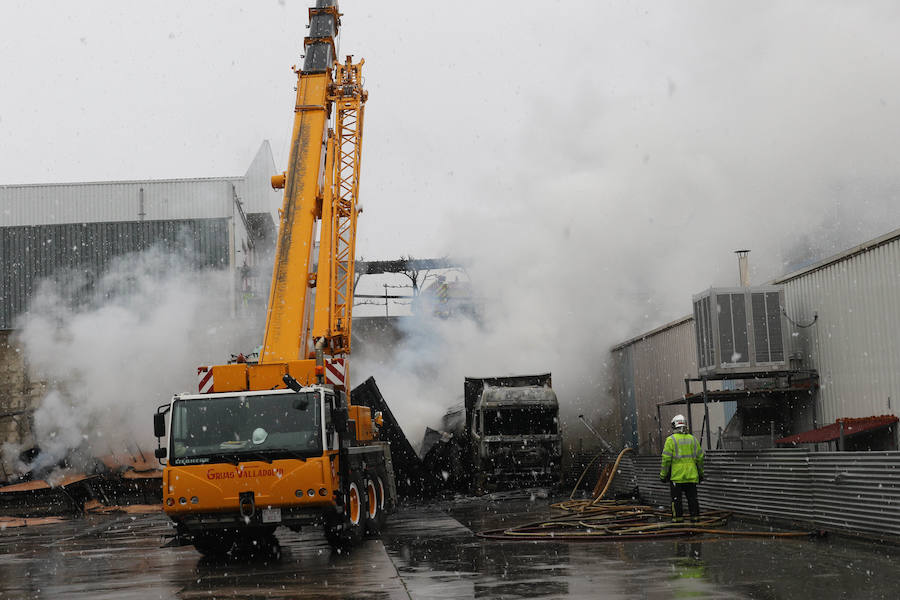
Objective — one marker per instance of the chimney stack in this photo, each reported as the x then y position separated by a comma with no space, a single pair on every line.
743,267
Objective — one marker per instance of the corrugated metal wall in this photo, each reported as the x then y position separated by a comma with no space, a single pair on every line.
658,364
630,428
151,200
855,344
843,491
116,201
29,254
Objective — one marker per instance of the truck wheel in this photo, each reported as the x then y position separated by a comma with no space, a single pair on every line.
346,530
386,503
214,546
375,515
374,507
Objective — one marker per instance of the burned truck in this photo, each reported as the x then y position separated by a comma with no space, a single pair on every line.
512,432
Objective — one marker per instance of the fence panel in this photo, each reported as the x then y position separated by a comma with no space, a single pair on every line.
857,491
850,491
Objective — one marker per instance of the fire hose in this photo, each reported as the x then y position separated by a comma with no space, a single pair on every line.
597,519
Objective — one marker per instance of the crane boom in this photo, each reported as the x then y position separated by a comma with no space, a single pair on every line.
334,310
287,315
309,314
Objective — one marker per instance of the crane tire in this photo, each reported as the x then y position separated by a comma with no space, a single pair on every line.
345,530
375,513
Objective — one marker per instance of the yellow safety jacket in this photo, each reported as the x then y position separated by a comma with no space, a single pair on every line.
682,459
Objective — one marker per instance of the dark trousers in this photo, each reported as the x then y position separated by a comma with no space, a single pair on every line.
689,490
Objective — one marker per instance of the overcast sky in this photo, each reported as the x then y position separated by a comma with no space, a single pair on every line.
596,162
657,136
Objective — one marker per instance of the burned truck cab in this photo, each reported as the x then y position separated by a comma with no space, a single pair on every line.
514,433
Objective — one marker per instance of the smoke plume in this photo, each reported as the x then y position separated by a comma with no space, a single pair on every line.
614,161
113,348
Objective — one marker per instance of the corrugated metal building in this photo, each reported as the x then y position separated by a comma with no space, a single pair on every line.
855,342
46,228
845,314
651,369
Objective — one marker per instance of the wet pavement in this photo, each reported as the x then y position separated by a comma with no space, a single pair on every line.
431,552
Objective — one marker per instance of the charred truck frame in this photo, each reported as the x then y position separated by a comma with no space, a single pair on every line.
512,426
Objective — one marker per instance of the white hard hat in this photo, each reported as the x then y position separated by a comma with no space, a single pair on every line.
259,436
678,422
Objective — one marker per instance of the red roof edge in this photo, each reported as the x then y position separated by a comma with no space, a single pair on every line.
833,431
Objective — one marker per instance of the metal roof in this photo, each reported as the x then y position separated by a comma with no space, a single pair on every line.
148,200
652,332
842,256
115,201
833,431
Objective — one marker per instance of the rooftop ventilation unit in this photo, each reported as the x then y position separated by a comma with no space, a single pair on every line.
740,330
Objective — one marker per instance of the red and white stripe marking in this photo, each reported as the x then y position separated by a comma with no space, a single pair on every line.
335,370
204,380
335,374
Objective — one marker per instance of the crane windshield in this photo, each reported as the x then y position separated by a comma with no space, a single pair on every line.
246,427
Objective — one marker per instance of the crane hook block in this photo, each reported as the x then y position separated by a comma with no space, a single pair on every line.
278,181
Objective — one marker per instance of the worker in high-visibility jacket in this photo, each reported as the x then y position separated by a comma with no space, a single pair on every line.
682,468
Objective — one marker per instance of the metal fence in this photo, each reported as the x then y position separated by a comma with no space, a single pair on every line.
856,492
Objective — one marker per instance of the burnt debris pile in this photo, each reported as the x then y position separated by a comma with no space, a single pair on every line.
67,487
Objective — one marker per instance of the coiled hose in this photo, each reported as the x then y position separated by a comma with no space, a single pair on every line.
597,519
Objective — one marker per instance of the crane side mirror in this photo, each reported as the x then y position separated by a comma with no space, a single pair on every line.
292,383
159,425
301,402
160,453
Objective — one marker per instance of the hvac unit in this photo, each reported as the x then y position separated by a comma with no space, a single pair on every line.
741,330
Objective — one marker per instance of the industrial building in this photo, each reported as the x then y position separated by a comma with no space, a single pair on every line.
226,222
842,330
220,222
809,436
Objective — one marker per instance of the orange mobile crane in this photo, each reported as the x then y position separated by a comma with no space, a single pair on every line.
278,442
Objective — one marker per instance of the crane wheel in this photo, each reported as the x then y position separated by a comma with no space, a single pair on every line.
354,504
380,493
344,531
215,546
376,515
371,500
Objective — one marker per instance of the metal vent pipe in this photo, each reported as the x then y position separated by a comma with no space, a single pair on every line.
743,267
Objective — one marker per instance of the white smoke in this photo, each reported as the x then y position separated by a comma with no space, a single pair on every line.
611,163
111,350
